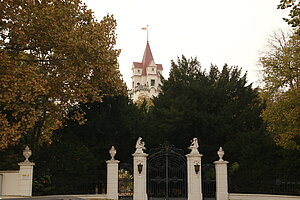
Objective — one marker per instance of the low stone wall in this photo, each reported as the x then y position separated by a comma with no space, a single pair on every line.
60,197
236,196
92,196
9,184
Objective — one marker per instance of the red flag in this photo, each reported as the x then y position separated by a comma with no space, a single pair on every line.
144,28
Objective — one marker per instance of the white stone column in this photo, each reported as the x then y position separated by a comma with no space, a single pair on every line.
221,177
140,172
26,174
194,172
112,175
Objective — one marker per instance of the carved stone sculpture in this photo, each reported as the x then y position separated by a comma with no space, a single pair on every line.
140,145
194,146
112,152
26,153
221,154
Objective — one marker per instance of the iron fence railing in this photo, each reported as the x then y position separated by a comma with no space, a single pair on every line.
265,183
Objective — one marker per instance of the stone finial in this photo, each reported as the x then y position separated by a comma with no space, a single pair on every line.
194,146
26,153
221,154
112,152
140,145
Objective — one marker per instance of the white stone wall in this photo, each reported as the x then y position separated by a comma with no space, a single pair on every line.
9,183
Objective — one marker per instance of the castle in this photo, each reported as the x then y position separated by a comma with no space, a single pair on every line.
146,77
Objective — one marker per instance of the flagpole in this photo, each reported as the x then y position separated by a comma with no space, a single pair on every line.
147,33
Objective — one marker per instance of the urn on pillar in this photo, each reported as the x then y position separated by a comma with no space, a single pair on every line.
26,174
221,176
112,175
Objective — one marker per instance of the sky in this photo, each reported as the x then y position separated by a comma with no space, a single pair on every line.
214,31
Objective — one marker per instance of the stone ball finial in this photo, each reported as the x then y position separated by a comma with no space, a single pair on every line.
26,153
112,152
221,154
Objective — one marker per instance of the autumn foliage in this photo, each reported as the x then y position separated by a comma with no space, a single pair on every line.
54,54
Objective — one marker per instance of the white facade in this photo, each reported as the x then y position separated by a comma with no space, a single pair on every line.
146,77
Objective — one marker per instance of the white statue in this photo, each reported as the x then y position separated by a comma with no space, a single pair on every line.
194,146
140,145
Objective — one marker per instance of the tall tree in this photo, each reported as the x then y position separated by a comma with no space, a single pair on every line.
294,7
218,107
53,54
281,67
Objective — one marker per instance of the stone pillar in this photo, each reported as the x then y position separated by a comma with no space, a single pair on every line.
221,177
194,172
112,175
139,172
26,174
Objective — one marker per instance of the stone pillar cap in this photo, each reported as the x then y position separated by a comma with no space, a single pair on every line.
26,163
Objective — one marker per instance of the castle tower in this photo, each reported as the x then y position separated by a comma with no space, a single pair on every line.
146,76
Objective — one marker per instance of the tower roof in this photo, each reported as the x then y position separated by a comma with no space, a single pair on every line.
147,60
148,57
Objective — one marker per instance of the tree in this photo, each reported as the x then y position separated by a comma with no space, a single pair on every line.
54,54
218,107
294,15
281,68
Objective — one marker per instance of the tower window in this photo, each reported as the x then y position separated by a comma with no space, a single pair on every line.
138,71
152,82
152,69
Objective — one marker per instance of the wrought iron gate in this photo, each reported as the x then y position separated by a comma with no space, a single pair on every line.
166,175
208,182
126,181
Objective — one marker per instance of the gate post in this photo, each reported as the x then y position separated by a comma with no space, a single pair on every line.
139,171
112,175
221,177
194,172
26,174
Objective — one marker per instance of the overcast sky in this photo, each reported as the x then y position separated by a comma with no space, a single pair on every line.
216,31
